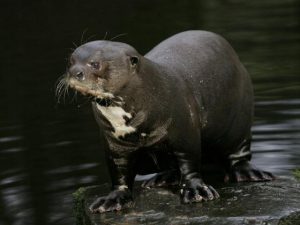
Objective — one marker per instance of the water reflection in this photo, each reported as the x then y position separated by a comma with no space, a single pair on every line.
47,150
277,138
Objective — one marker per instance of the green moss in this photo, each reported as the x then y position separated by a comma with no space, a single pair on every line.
296,173
292,219
79,207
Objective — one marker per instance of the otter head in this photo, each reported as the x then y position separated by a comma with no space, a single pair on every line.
102,69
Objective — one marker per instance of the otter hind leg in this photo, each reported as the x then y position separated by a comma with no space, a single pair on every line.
245,172
162,179
241,170
163,164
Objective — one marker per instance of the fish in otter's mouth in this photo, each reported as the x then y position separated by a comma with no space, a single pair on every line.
100,97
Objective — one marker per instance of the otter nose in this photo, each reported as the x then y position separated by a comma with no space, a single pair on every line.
77,72
79,75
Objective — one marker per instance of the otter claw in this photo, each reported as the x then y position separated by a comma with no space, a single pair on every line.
115,201
197,192
245,172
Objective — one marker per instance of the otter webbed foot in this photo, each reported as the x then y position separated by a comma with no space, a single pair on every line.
245,172
114,201
163,179
195,190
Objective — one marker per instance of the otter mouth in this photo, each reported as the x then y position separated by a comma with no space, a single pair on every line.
100,97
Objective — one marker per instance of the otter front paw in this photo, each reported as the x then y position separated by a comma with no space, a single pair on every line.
195,190
114,201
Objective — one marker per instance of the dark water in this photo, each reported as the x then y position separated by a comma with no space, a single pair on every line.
48,150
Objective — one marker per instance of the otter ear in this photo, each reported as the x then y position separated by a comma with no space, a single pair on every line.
134,60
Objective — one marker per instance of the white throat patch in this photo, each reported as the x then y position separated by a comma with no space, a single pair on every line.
115,115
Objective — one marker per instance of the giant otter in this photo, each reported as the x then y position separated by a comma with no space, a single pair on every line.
188,98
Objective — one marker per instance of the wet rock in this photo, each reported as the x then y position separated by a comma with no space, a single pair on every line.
270,203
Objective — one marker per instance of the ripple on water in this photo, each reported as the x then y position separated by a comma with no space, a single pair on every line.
10,139
276,135
71,168
291,102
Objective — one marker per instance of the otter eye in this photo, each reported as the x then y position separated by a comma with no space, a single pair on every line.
95,65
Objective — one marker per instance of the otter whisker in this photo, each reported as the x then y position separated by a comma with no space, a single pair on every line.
74,96
62,84
117,36
59,84
61,88
60,94
67,89
90,37
59,97
58,89
65,92
75,45
105,36
82,36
